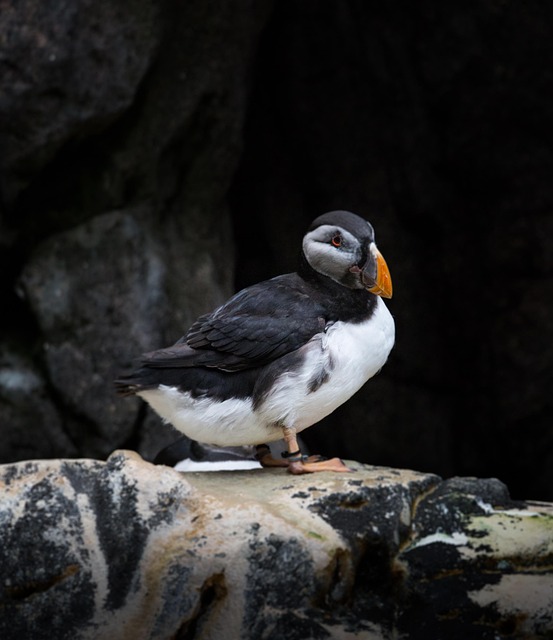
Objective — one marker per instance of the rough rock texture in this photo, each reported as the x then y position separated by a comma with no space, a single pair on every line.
28,414
67,69
124,549
119,134
112,271
479,565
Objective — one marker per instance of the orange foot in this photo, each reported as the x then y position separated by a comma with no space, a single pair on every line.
298,467
298,464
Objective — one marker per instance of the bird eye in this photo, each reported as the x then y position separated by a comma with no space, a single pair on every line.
336,240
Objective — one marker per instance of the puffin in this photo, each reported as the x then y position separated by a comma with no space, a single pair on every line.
282,354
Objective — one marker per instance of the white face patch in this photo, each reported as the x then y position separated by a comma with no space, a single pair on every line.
324,257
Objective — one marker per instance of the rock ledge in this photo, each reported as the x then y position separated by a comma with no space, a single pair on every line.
125,549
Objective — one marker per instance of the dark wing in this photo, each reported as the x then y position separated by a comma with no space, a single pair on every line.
257,325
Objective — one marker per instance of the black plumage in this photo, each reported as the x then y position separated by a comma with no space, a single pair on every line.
255,327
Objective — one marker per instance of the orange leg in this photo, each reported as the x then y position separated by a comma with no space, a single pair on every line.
265,458
296,463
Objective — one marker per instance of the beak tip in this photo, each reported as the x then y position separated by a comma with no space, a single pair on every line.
383,292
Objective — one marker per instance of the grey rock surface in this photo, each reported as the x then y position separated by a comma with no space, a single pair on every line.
28,413
100,292
120,130
67,69
125,549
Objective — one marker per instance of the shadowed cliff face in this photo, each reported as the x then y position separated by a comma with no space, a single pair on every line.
133,142
120,132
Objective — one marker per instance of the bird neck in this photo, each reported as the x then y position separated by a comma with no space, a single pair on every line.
342,303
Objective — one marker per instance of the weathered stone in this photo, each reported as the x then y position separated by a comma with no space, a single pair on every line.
100,292
66,71
478,564
120,135
125,549
27,412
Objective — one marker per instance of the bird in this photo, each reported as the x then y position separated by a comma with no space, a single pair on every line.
280,355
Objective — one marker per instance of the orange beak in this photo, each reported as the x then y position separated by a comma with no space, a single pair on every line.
383,285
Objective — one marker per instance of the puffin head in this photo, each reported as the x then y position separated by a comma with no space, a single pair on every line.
340,245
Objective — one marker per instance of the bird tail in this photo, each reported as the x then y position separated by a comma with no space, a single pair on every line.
126,387
144,378
133,382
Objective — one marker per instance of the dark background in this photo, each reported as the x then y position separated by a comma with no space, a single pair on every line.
156,156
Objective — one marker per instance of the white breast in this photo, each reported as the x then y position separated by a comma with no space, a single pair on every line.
350,353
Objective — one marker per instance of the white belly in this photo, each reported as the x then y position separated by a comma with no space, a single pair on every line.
351,354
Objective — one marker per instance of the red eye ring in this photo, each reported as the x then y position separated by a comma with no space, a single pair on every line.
336,240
